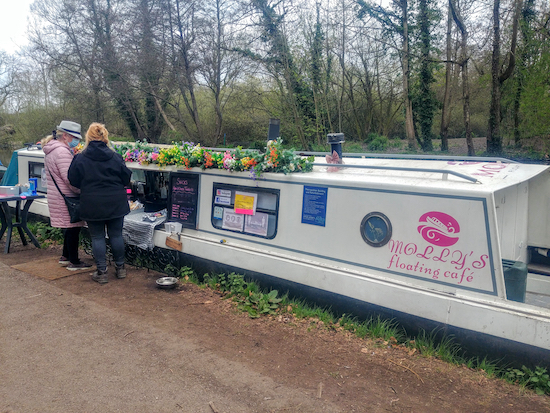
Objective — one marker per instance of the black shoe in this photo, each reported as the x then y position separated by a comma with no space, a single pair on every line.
80,266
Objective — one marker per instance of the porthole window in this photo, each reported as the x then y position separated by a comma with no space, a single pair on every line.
376,229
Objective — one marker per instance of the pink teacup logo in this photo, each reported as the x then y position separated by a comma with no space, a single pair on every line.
439,229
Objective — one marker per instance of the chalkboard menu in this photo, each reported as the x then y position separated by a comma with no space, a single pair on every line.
183,199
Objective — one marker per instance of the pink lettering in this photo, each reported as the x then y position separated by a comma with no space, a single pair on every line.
481,263
429,249
395,246
445,252
495,166
410,248
490,169
463,274
461,259
392,258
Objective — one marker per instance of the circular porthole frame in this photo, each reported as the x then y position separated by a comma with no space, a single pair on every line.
385,220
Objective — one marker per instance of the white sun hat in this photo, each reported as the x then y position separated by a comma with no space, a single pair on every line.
71,128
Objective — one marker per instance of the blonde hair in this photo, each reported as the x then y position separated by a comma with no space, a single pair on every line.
97,132
56,134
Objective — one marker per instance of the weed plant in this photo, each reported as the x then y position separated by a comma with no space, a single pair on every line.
46,234
537,380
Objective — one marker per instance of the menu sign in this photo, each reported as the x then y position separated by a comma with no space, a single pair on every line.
184,198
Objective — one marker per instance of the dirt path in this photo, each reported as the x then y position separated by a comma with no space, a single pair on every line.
70,345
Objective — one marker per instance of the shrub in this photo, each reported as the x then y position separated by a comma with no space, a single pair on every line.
380,143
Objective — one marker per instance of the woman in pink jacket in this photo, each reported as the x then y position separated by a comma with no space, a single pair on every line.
59,155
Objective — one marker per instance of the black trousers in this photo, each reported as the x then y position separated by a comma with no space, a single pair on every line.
70,244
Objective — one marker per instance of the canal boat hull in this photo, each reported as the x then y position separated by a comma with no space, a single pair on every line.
414,239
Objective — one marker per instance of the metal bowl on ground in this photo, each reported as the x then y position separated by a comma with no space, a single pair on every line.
167,283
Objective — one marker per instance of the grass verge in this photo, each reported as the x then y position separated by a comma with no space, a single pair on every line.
252,300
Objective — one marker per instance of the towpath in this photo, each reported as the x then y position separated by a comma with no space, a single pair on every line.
70,345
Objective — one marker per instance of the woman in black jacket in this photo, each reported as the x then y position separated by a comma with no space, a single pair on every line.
101,175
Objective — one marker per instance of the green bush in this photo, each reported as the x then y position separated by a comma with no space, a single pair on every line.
353,147
380,143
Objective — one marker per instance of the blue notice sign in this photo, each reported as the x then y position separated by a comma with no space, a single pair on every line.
314,205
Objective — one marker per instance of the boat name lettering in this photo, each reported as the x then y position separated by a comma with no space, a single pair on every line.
460,259
487,169
466,275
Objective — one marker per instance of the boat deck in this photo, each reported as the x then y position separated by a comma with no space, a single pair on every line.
538,289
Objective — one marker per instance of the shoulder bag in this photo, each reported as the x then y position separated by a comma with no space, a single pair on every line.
73,204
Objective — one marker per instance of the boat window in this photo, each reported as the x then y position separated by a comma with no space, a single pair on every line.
245,210
35,171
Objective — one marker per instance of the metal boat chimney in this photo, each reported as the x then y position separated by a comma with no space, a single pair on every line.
335,141
273,131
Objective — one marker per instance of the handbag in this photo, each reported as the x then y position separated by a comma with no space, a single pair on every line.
72,202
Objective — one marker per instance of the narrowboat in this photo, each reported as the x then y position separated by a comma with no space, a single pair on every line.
459,244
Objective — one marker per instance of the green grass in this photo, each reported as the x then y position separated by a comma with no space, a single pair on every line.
387,332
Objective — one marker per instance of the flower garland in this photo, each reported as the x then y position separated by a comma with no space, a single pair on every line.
188,155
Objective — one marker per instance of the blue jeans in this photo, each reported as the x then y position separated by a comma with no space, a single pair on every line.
99,248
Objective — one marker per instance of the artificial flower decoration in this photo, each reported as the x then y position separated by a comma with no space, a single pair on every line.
189,155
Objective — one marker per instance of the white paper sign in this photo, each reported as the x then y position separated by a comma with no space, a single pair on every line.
222,200
232,221
218,212
223,192
257,224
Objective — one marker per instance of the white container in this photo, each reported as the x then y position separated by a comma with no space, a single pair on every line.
172,227
9,190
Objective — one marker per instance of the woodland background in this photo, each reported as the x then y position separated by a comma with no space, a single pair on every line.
215,72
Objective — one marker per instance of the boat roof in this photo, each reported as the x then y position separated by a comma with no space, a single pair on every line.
479,175
470,176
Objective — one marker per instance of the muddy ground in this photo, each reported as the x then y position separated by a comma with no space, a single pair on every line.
337,369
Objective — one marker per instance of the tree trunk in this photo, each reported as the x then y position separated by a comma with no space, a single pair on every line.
409,124
465,80
446,110
494,140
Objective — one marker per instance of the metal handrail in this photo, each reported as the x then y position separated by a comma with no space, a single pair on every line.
418,157
398,168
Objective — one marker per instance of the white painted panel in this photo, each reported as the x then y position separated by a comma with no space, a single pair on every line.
539,211
512,209
496,317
